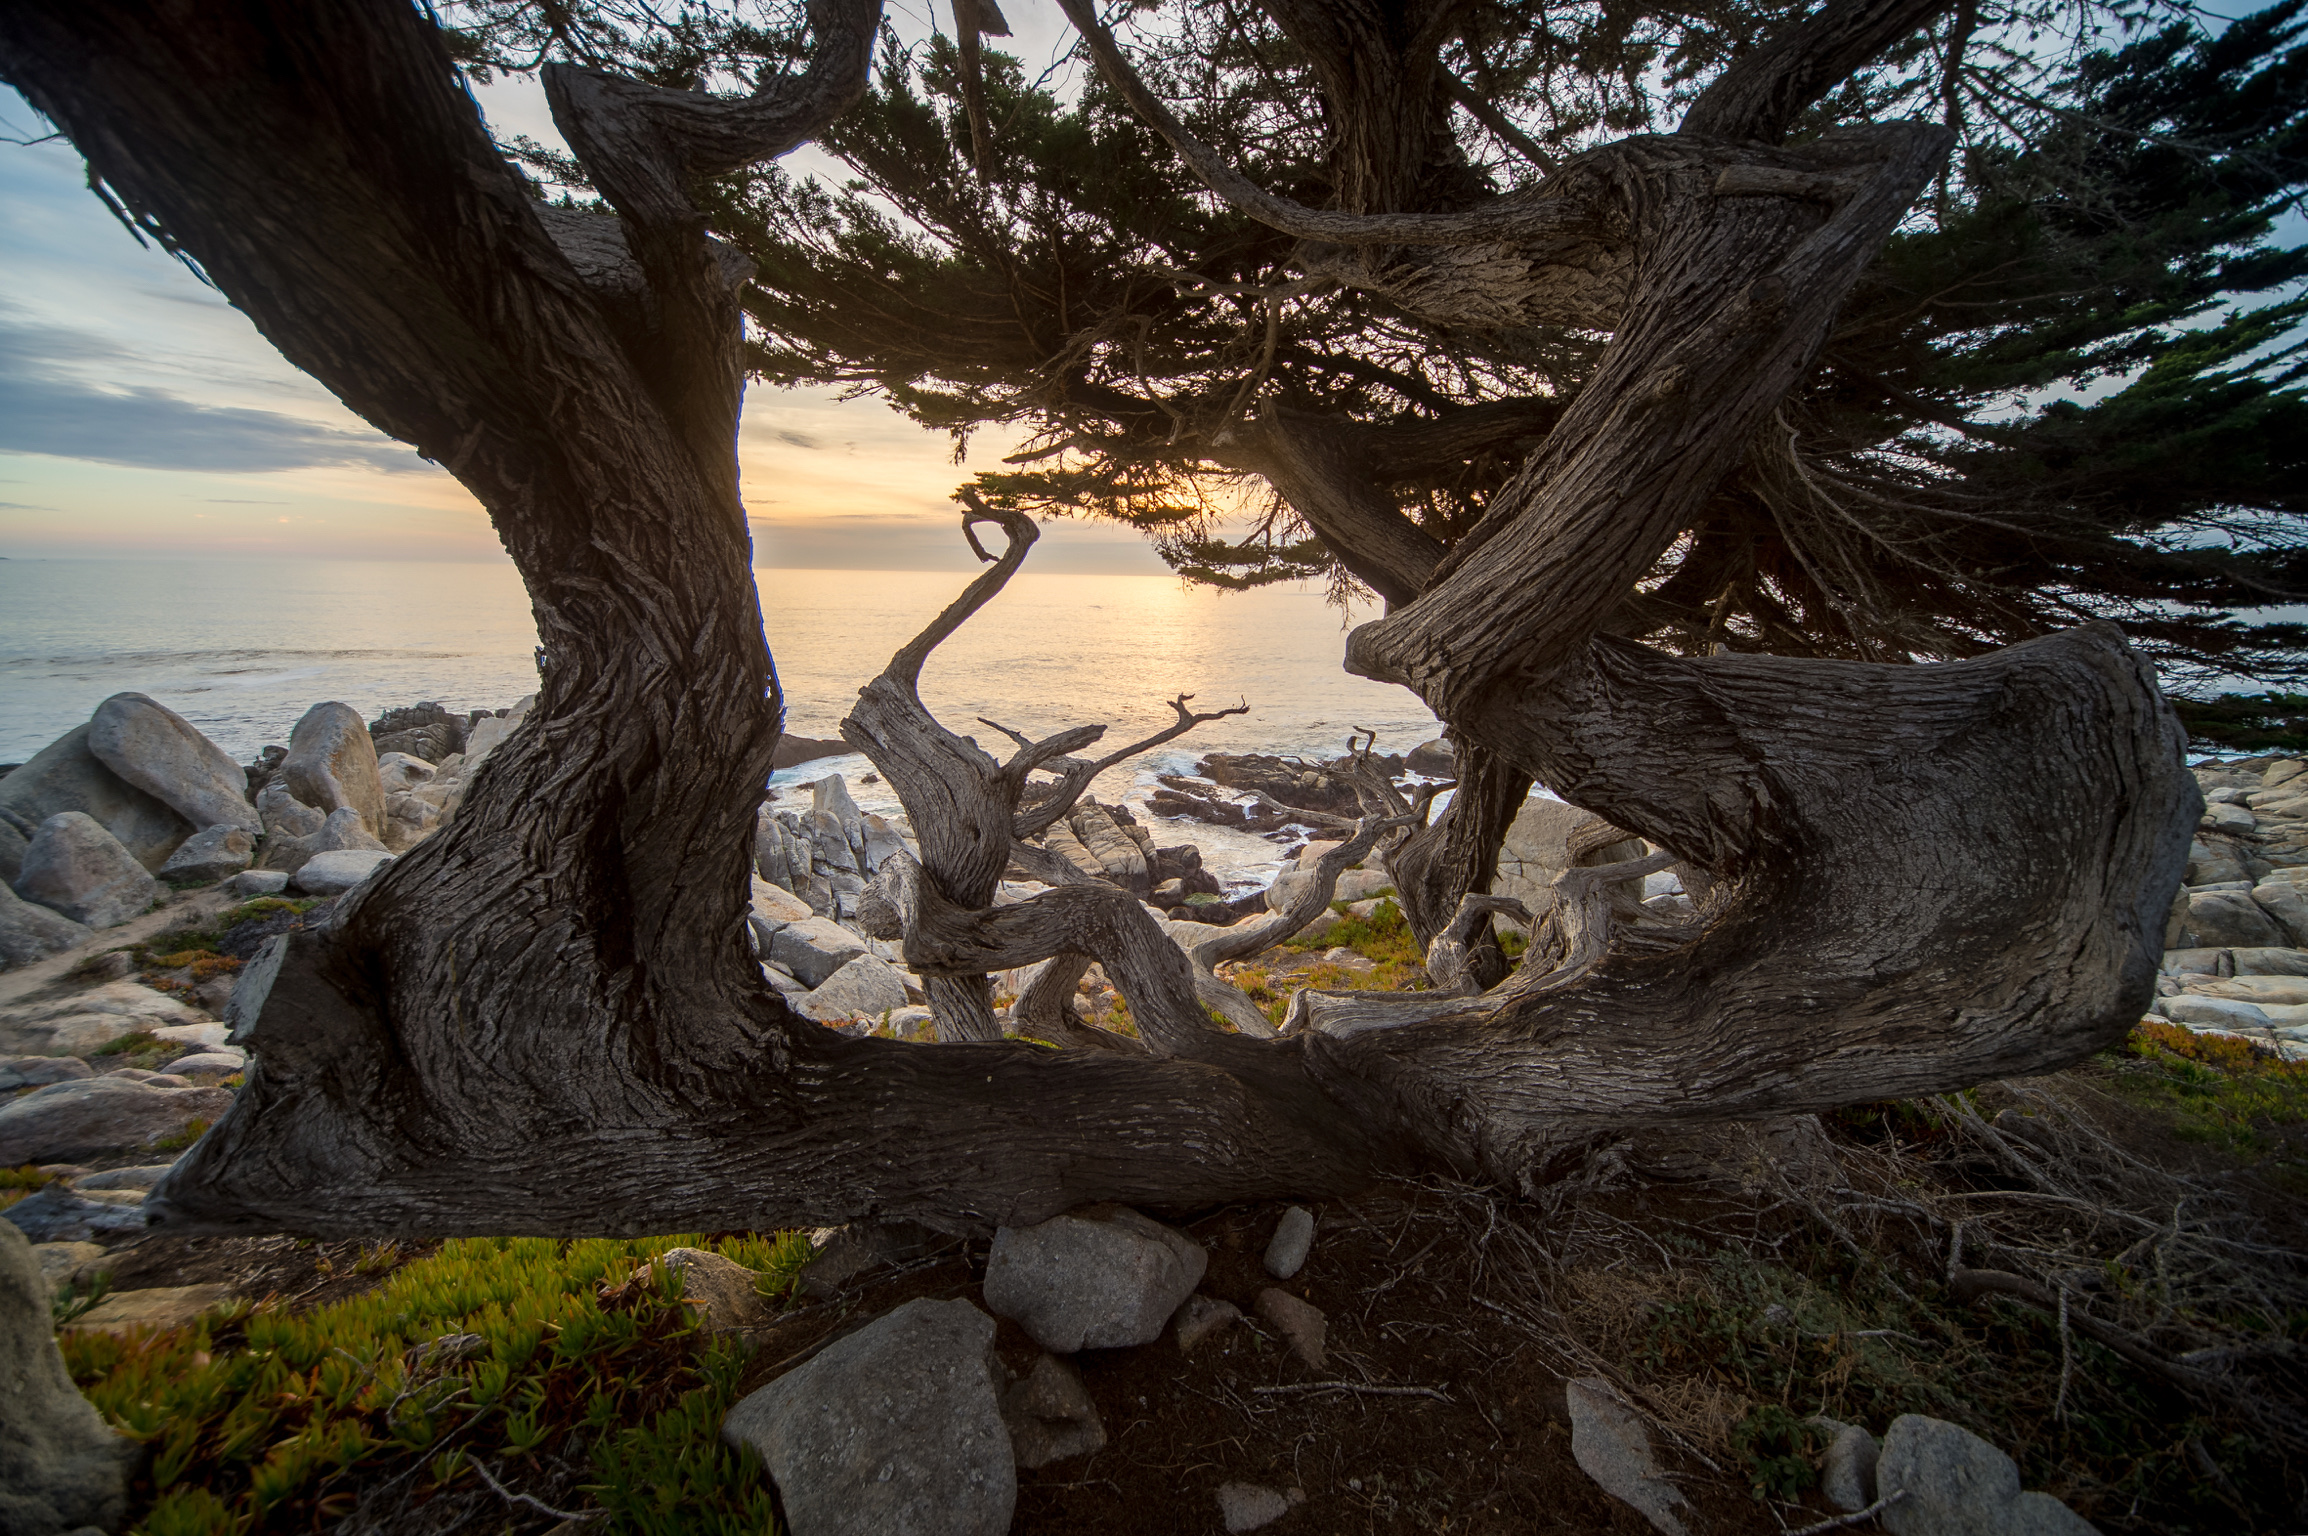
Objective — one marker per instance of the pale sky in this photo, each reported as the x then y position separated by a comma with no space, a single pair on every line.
141,415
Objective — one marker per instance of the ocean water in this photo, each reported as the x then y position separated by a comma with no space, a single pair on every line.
242,648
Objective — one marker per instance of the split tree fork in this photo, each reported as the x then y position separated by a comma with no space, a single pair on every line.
545,1019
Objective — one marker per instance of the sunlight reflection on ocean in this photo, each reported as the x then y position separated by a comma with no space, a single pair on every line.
243,648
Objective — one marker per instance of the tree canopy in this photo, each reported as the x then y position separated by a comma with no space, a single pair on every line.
2067,389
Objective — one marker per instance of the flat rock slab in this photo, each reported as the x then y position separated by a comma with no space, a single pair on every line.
1107,1279
95,1115
60,1467
156,749
336,871
63,1264
895,1430
57,1214
1953,1483
1611,1444
98,1016
170,1306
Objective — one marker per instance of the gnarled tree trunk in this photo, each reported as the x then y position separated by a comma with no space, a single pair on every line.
545,1019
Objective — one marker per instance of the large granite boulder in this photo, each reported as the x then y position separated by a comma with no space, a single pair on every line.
1953,1483
66,776
211,854
61,1468
866,987
160,752
1099,1279
97,1115
895,1430
812,951
1536,850
74,867
332,765
30,932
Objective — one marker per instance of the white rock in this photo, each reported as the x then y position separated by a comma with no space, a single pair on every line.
260,882
1611,1445
1956,1484
814,949
66,776
337,871
1252,1506
1079,1282
203,1034
332,765
398,772
1847,1470
2227,1011
866,987
895,1430
777,904
1293,1239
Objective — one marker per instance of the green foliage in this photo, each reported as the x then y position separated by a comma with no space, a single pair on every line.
182,946
177,1141
1779,1450
2217,1088
135,1043
75,1299
523,1351
2109,219
2247,722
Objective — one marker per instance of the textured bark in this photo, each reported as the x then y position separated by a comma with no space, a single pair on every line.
545,1018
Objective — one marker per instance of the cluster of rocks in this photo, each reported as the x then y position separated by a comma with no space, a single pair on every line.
1106,842
2236,940
913,1423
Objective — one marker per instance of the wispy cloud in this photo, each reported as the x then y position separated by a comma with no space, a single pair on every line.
46,408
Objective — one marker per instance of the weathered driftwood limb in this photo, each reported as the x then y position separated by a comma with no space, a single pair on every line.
1447,962
967,818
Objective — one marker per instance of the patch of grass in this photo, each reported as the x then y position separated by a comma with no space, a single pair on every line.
133,1044
17,1183
185,946
191,1133
566,1370
75,1299
1738,1353
2216,1088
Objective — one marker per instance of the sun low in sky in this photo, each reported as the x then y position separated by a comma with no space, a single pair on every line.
141,415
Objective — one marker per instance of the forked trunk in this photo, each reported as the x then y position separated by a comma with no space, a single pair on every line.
545,1019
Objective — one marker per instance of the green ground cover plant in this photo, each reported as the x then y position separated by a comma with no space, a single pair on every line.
540,1363
2220,1089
